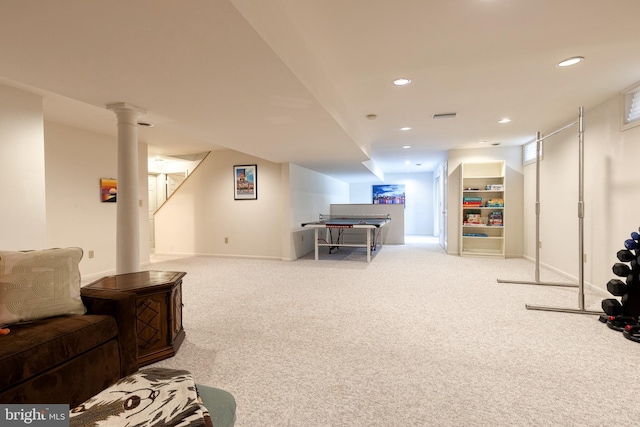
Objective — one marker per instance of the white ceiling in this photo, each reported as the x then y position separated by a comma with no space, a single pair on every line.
293,80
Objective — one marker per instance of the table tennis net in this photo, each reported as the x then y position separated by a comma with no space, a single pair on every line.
327,217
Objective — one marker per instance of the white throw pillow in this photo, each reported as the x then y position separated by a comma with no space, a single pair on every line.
39,284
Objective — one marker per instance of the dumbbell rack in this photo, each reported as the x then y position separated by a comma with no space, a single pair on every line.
624,314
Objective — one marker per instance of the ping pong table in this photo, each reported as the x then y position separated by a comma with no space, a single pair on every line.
372,224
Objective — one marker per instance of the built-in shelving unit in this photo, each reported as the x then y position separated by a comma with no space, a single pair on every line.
482,227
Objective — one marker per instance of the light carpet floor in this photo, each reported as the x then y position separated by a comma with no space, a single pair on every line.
415,338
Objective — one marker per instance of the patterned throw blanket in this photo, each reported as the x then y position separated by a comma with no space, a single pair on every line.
150,397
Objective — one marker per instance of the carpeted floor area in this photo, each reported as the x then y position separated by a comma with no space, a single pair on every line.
415,338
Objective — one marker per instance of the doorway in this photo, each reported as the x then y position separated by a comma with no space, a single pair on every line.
441,188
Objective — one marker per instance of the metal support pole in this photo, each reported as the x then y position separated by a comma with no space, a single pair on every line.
538,154
581,309
581,210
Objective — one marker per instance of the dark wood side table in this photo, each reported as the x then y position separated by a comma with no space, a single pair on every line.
159,317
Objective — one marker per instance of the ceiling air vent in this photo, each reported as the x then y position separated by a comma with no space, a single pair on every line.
444,116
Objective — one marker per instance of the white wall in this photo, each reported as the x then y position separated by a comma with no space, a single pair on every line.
51,196
198,217
420,200
62,206
558,204
23,209
514,198
611,195
75,161
310,194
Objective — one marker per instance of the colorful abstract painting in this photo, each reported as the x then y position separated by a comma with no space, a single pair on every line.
108,190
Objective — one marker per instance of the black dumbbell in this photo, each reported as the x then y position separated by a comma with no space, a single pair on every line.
621,270
632,334
618,323
630,305
632,328
633,280
612,307
627,319
617,287
625,255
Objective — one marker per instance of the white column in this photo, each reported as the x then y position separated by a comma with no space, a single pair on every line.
127,221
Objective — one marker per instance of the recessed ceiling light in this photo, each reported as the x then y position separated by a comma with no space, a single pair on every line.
482,142
407,162
372,116
405,128
406,146
570,61
505,120
145,124
403,81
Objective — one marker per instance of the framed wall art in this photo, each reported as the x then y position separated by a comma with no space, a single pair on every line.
388,194
108,190
245,182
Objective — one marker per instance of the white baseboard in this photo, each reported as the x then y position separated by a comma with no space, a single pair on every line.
573,279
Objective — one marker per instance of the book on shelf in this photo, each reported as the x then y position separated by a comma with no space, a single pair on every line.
473,217
495,219
472,201
495,187
495,203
